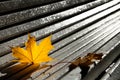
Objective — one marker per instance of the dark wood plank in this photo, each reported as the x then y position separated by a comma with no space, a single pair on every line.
37,12
85,32
17,30
57,27
14,5
11,70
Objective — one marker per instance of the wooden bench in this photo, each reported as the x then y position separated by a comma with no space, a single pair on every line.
78,27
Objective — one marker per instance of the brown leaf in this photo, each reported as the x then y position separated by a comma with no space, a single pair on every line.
87,60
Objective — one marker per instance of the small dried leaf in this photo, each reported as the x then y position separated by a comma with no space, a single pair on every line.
88,59
85,62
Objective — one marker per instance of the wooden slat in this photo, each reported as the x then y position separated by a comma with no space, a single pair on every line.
42,75
65,54
22,73
113,72
52,76
15,31
76,54
11,70
84,30
83,39
106,48
104,22
96,31
103,64
3,66
109,46
74,74
13,5
37,12
56,27
109,20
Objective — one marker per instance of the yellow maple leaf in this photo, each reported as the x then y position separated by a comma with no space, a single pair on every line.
34,53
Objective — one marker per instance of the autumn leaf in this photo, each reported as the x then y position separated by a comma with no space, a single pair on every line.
33,52
88,59
85,62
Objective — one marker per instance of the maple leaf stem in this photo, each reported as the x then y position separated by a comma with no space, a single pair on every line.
32,63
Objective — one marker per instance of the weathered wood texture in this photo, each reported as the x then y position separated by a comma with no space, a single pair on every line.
78,27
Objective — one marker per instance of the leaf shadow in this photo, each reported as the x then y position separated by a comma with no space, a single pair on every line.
18,71
84,69
28,76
